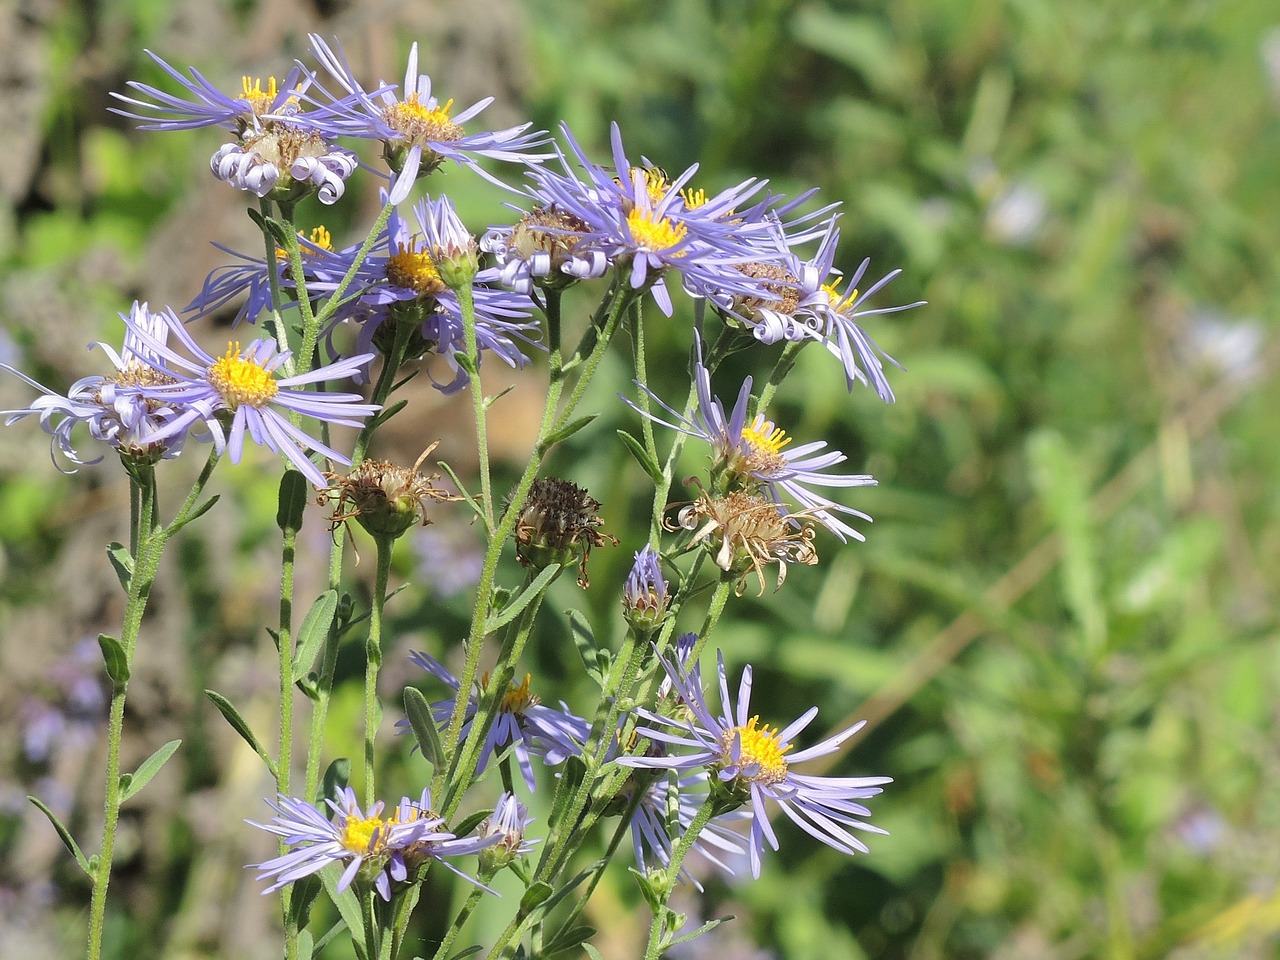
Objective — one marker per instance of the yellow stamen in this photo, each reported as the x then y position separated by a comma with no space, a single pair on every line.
238,380
654,235
260,100
319,237
420,123
761,747
839,301
412,269
693,199
518,699
764,438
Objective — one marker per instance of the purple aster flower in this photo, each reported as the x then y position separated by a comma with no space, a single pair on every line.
322,267
507,825
647,225
377,849
118,410
755,452
419,133
523,721
402,282
752,766
241,386
805,304
207,106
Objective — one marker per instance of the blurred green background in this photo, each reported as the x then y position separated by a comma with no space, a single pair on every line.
1062,626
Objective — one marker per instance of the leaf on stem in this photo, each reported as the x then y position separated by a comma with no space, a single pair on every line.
568,939
472,502
565,432
67,840
525,597
423,726
238,723
114,657
195,514
122,562
534,897
347,902
595,659
295,490
131,783
642,456
336,777
709,925
313,632
466,952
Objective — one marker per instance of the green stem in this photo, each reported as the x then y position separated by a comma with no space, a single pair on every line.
456,926
658,931
284,760
150,538
373,660
466,300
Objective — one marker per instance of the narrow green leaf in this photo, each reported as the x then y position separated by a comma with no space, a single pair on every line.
122,562
490,401
306,947
305,891
336,776
386,413
533,897
146,770
592,952
526,596
114,657
423,725
197,513
595,659
642,456
470,823
279,231
467,365
461,487
708,926
466,952
295,490
313,632
347,903
567,939
67,840
565,432
238,724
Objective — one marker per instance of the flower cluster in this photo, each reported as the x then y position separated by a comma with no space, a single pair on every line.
158,397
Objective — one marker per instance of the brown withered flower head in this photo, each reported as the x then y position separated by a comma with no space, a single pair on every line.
744,532
558,523
384,498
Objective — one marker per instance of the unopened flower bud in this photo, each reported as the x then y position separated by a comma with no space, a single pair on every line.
645,598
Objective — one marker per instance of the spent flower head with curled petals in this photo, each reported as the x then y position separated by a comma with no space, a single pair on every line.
418,132
116,409
804,303
751,764
754,455
239,394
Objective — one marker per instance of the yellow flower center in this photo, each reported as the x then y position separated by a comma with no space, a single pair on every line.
764,438
319,237
358,834
654,235
518,698
760,747
422,124
260,100
412,269
238,380
839,301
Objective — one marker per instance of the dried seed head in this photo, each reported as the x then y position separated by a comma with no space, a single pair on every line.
557,524
744,531
384,498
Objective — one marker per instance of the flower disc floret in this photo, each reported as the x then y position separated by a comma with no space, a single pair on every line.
241,380
758,753
423,123
655,233
412,269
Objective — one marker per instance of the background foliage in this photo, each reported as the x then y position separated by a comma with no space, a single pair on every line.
1063,625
